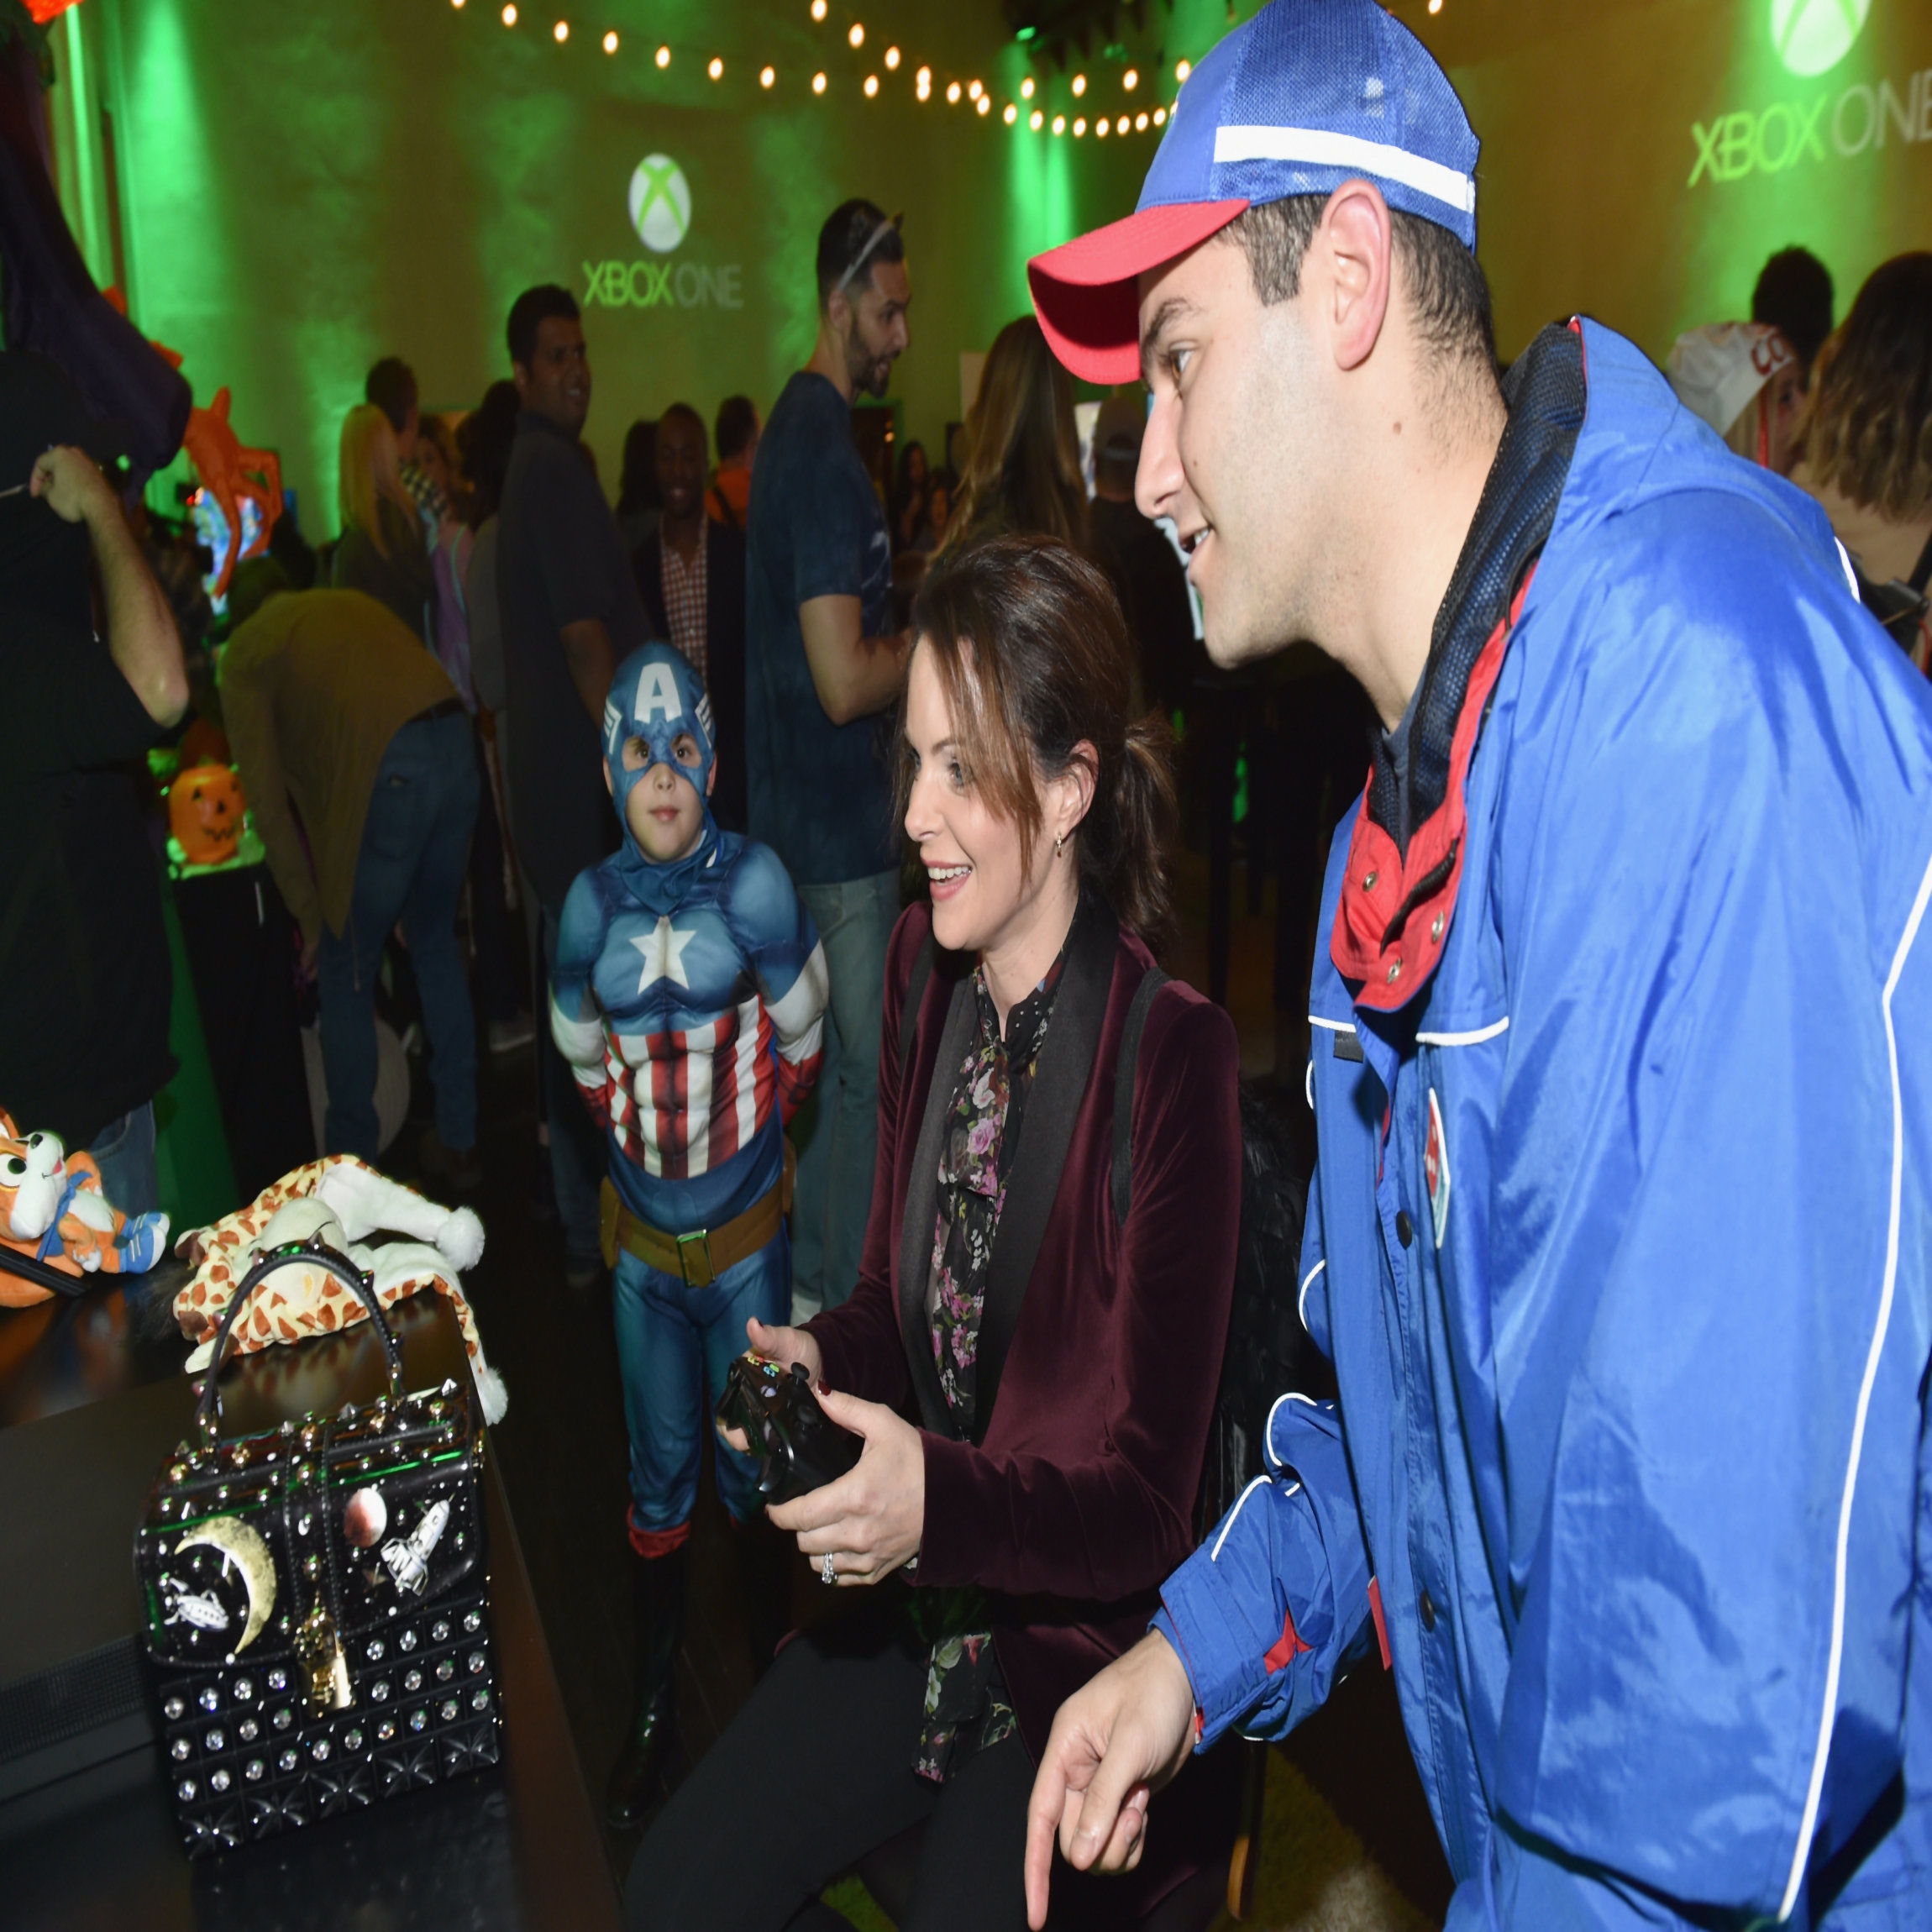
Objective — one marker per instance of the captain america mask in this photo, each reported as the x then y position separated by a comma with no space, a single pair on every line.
657,698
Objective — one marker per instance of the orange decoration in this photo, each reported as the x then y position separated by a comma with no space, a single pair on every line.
45,10
205,806
232,472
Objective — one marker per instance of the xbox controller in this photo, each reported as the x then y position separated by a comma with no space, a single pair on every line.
800,1448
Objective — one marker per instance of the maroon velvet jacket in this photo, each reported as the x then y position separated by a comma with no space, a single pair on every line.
1098,1372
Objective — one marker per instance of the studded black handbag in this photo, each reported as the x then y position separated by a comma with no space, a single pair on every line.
314,1601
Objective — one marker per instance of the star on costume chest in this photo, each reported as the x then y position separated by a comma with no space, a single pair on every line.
664,950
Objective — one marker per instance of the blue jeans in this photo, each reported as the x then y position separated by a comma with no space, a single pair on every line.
415,846
577,1155
837,1133
674,1345
125,1152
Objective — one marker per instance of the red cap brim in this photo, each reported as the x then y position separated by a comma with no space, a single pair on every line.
1086,292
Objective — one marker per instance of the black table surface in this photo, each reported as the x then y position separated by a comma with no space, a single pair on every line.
515,1846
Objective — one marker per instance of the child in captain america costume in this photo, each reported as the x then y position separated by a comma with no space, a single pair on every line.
689,995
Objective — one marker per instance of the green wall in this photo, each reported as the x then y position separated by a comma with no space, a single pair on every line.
300,189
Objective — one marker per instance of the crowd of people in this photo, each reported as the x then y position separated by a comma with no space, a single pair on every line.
820,826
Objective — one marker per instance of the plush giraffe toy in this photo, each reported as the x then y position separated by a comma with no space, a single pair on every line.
340,1200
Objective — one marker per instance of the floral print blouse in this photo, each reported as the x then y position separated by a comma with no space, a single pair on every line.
966,1704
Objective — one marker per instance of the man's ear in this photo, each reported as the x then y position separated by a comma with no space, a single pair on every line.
711,777
520,374
610,786
1356,240
838,311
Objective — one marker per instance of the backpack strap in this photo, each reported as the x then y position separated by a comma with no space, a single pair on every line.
1124,1069
915,993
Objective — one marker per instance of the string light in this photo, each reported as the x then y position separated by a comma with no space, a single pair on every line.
664,56
1100,128
923,91
1080,127
857,36
1435,5
1035,120
985,103
611,41
923,80
1080,85
1160,117
1120,125
1011,114
1059,123
562,31
818,9
1027,88
892,60
1140,124
953,94
818,83
871,86
716,69
1182,69
510,16
974,91
1131,79
457,4
766,76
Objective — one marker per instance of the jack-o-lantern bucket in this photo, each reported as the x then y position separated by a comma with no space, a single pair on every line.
204,808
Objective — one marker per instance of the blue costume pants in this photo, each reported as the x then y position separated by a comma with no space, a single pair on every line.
675,1346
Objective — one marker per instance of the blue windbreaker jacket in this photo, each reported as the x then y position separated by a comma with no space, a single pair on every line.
1619,1238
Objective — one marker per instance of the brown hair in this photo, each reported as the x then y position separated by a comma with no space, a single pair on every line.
1868,425
1023,475
366,477
1033,655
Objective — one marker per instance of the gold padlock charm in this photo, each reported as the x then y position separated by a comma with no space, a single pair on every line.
319,1652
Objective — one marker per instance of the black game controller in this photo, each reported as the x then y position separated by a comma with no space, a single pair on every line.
799,1447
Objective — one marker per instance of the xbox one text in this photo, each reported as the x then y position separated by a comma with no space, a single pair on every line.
1781,136
661,284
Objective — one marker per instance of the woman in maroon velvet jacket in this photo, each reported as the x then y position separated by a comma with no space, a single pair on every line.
1033,1380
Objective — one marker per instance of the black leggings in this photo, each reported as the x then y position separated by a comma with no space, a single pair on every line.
815,1773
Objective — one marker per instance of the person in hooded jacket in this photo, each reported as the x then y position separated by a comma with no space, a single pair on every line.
1619,1240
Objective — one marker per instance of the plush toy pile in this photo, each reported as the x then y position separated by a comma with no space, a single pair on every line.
341,1201
52,1209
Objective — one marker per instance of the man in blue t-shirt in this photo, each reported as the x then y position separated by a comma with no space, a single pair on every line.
821,667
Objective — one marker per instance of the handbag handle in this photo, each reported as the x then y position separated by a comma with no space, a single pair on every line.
316,1254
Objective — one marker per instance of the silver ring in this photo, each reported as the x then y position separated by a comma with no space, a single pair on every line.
827,1571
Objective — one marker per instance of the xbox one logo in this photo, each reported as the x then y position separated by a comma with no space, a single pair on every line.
1812,36
660,203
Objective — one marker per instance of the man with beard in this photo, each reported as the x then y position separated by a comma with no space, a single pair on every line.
821,665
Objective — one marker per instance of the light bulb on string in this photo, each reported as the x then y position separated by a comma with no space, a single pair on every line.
1080,85
923,80
561,31
1160,117
818,82
1121,125
510,16
1100,128
818,9
1140,124
1182,69
1080,127
457,4
1435,5
1010,114
1131,79
716,68
857,35
611,41
952,93
871,86
663,56
984,103
766,76
1035,120
1059,123
892,60
974,91
1027,88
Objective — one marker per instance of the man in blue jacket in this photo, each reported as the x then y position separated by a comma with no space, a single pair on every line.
1620,1240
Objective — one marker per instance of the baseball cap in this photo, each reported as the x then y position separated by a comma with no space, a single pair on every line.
1717,370
1305,96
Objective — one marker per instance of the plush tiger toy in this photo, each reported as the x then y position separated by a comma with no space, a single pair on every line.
51,1208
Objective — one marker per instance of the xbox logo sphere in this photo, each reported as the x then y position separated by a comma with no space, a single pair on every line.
1813,35
660,203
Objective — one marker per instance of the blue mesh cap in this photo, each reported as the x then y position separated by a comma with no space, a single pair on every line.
1309,94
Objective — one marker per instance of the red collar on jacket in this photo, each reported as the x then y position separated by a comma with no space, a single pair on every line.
1395,912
